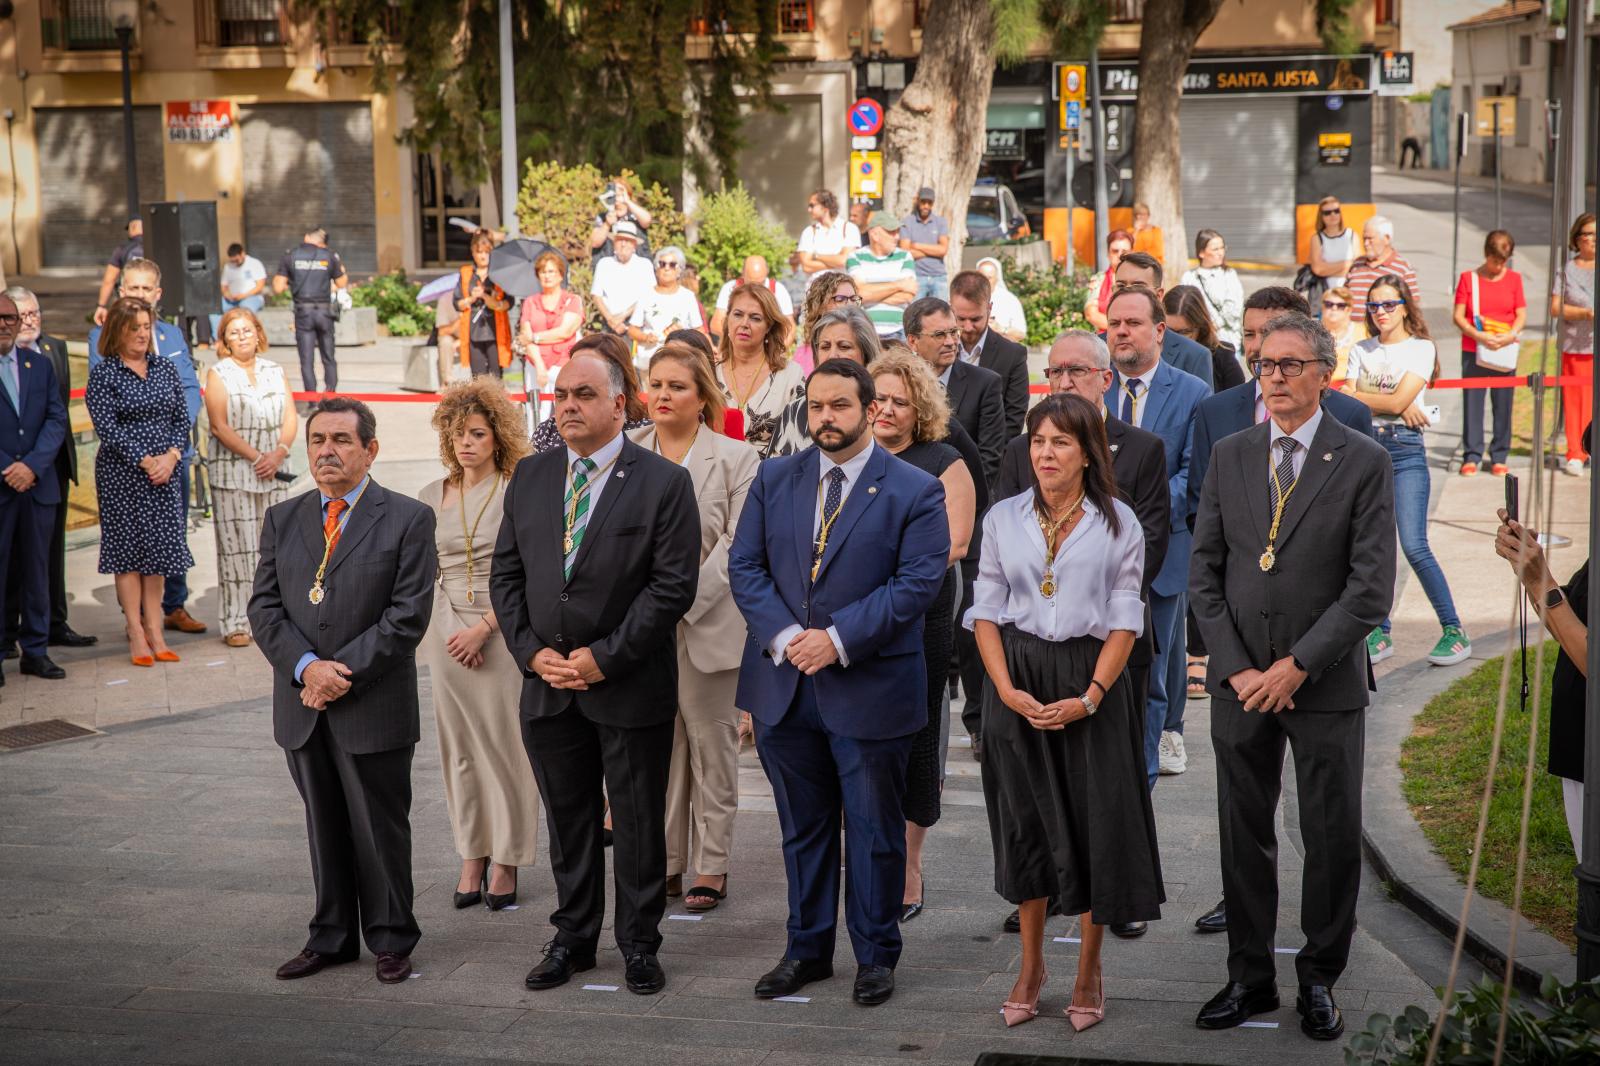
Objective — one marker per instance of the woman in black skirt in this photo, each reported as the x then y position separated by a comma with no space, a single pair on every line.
912,423
1055,613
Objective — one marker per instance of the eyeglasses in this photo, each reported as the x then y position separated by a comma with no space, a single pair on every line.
1335,305
838,299
10,320
943,335
1292,368
1332,210
1383,307
28,314
1076,373
669,266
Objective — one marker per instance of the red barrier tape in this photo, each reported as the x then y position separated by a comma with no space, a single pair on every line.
1568,381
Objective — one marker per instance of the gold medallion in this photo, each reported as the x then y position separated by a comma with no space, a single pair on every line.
1269,559
1047,585
316,593
566,544
472,597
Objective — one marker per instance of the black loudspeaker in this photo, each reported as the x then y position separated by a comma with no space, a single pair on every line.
182,240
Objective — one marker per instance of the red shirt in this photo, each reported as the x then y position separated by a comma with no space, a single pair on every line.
534,315
1499,302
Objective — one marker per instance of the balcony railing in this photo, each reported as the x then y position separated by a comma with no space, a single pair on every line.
793,16
1126,10
76,26
240,23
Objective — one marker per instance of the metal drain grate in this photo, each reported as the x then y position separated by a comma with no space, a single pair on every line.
31,734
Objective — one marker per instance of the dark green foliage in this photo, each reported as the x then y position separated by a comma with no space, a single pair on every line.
1051,298
558,203
395,298
1563,1029
731,228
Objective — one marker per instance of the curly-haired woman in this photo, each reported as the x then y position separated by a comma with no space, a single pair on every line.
488,783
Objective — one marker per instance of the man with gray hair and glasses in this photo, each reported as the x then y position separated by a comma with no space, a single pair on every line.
1080,363
1285,604
32,337
1380,258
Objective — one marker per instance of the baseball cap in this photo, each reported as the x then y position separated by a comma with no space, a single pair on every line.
625,229
885,219
925,193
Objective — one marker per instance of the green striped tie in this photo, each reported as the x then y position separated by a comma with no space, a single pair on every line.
580,517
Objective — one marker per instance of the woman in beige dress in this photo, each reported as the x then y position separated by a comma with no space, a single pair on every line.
685,405
488,784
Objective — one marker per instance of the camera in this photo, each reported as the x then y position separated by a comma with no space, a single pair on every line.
609,197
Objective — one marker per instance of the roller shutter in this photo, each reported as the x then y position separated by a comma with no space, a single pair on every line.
305,165
82,181
1239,174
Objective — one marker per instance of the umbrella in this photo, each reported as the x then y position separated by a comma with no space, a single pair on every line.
511,265
436,288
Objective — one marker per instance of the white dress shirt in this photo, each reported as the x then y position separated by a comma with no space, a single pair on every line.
852,473
1097,574
971,357
1140,401
599,477
1303,435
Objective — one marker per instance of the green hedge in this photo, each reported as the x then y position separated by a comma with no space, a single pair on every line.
1051,299
395,298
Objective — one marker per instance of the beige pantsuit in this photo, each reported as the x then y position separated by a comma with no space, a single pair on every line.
703,785
488,784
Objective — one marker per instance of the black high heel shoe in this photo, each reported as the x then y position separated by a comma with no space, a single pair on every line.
492,901
469,899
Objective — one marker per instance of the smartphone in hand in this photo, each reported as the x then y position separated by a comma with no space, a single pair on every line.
1512,498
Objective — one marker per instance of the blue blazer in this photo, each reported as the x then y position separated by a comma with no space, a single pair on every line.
884,565
37,434
170,342
1168,413
1234,411
1189,356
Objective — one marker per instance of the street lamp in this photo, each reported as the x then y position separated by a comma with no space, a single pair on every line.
124,16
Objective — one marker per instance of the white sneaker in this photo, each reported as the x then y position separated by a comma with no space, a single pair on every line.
1574,468
1170,756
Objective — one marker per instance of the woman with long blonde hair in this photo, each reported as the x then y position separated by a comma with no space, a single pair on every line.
753,366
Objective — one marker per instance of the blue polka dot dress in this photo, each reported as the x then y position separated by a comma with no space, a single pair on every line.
141,524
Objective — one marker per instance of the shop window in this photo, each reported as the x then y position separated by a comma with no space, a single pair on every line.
441,196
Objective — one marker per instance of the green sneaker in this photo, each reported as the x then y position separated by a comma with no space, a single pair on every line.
1453,647
1379,646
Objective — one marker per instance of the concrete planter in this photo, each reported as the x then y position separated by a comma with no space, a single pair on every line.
1034,254
357,326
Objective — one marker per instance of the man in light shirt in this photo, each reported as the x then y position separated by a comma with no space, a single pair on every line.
621,279
828,241
244,283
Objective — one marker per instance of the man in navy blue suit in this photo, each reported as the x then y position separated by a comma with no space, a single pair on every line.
1234,411
142,278
1150,393
33,426
840,551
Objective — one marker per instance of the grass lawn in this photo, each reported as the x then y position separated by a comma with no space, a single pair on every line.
1529,361
1443,764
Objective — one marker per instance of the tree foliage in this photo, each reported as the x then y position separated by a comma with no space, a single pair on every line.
606,82
557,204
730,229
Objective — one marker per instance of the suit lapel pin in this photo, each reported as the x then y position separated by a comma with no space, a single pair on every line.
1114,448
872,490
622,474
1327,457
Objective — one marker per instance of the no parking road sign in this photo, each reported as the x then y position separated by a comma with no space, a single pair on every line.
866,117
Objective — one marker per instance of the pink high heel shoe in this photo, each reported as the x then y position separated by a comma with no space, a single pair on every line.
1016,1013
1082,1018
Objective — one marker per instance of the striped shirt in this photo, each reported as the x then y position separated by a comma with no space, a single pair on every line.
869,269
1363,272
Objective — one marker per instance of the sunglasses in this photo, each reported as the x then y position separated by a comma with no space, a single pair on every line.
669,266
1385,306
1335,305
1332,210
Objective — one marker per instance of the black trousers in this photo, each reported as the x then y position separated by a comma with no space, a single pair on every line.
968,662
1472,413
24,538
484,358
313,331
572,758
1327,748
358,821
57,575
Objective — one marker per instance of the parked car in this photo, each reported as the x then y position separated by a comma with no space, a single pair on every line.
993,214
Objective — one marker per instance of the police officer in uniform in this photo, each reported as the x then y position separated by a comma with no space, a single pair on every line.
312,271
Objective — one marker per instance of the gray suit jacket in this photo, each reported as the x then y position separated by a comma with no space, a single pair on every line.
1334,576
379,597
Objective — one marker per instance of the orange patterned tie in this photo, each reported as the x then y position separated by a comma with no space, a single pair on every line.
330,526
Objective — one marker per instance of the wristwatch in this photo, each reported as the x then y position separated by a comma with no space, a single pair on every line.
1089,704
1554,598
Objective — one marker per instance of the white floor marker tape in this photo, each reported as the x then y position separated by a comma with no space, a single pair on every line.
1068,940
1286,951
218,662
685,917
118,681
599,988
1258,1025
791,999
415,975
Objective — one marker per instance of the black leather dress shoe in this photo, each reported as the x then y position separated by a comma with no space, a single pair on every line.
790,976
67,637
1214,920
309,962
560,963
1320,1018
1235,1004
1129,930
41,666
977,745
392,967
874,985
644,975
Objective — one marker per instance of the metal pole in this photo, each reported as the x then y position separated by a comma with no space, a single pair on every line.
1575,107
1072,153
1588,924
1102,209
508,129
1455,241
1553,280
130,152
1496,106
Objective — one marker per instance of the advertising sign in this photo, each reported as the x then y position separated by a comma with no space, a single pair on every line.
199,121
1484,113
1333,149
1288,75
1394,74
1004,144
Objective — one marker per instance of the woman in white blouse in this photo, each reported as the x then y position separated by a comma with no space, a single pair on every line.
1219,284
1055,615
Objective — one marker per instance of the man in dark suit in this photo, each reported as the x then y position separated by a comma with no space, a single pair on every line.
981,346
839,553
1285,602
1080,363
343,594
1142,268
598,560
54,351
33,425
